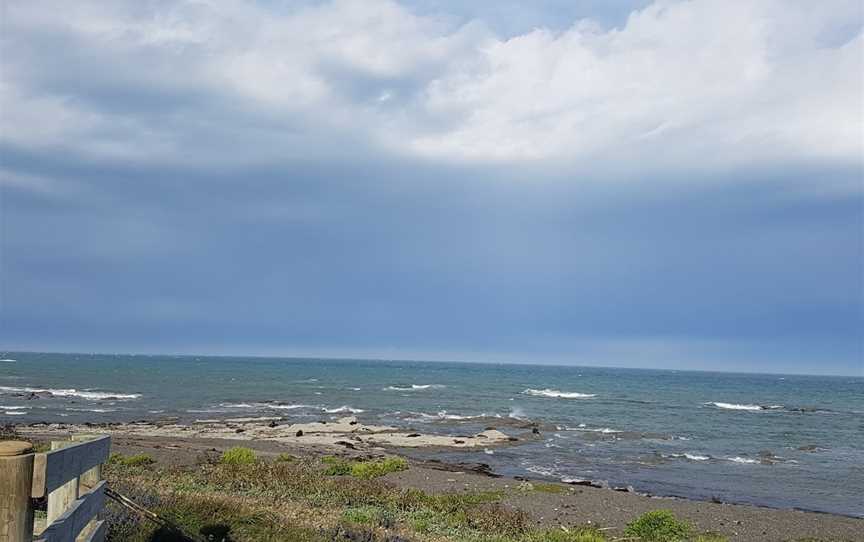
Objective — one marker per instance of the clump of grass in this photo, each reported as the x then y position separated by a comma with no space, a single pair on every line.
658,526
373,469
588,534
285,458
375,516
137,460
336,466
710,537
550,488
364,470
238,456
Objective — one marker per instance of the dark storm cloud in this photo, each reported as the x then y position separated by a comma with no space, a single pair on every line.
168,187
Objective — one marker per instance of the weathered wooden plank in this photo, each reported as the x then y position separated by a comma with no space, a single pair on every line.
98,534
60,499
63,465
67,526
38,489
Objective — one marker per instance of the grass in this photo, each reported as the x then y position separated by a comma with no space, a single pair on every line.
238,456
550,488
300,500
365,470
658,526
137,460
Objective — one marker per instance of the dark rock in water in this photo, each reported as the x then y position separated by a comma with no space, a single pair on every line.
479,468
810,448
588,483
512,439
535,430
299,433
272,424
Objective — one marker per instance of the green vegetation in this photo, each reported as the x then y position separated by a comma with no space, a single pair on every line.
238,456
137,460
365,470
300,500
658,526
550,488
285,458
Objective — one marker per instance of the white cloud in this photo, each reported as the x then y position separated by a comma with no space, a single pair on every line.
680,84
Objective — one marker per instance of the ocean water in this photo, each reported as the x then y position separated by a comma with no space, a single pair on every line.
773,440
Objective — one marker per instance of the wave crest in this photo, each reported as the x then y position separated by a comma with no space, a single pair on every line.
60,392
558,394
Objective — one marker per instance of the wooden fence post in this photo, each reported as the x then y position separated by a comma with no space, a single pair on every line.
16,482
61,498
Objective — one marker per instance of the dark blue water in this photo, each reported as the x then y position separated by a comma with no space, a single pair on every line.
783,441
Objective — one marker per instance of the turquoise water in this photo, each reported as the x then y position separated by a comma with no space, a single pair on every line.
783,441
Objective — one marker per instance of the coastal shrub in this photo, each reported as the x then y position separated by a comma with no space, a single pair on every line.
586,534
658,526
373,469
365,470
375,516
336,466
137,460
238,456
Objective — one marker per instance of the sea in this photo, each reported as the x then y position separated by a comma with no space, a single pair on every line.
785,441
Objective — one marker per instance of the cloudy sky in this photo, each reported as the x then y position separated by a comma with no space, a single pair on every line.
602,182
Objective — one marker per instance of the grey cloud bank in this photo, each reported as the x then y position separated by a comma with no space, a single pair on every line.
679,185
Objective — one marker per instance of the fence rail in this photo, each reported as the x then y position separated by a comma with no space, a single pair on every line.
70,474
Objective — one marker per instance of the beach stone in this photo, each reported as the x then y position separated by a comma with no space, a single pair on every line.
299,433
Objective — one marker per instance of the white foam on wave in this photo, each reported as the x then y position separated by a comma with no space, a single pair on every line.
691,457
100,410
14,413
236,405
9,360
343,409
733,406
584,429
415,387
542,471
6,407
284,407
558,394
444,415
739,459
71,392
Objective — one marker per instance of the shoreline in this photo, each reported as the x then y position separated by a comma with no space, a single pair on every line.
560,503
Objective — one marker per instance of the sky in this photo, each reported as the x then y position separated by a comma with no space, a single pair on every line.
669,184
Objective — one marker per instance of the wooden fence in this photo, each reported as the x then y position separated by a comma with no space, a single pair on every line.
70,474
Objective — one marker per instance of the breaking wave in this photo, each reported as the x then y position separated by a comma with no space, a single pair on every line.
734,406
343,410
90,395
415,387
559,394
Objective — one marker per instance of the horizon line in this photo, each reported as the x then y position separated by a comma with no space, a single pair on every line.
398,359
